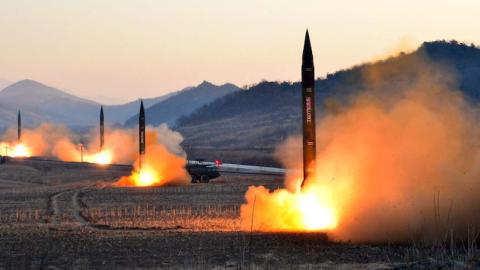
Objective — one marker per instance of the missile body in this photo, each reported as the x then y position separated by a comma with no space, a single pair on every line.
102,129
308,108
141,133
19,126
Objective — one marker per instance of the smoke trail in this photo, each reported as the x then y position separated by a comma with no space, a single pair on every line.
164,162
395,165
118,148
165,159
121,143
404,45
39,140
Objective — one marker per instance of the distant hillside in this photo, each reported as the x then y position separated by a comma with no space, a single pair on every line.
267,113
183,103
39,103
121,113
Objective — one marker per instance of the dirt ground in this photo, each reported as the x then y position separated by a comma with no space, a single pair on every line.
56,215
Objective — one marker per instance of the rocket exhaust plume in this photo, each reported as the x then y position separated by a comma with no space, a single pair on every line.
163,164
18,149
104,156
398,162
308,109
304,208
66,150
159,166
121,147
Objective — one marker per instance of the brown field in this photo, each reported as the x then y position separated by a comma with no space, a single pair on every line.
57,215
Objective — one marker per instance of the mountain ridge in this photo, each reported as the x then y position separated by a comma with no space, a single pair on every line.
265,114
184,103
39,102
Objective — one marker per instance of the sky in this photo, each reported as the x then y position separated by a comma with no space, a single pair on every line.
118,50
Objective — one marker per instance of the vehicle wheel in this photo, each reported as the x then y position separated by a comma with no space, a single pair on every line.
204,179
194,179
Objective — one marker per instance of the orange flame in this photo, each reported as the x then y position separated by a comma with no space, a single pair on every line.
316,214
378,169
311,209
146,177
143,178
17,150
159,168
66,150
103,157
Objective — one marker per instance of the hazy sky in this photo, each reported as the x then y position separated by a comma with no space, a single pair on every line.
127,49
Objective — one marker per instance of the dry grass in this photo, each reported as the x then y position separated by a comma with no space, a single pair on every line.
194,227
204,218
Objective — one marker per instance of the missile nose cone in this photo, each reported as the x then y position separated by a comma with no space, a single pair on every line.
307,59
101,112
142,110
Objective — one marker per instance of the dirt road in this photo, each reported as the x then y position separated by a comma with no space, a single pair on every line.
65,216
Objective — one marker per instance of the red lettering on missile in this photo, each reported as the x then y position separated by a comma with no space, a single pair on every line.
308,109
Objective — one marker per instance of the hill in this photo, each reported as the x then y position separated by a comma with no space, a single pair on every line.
121,113
262,116
39,102
183,103
42,103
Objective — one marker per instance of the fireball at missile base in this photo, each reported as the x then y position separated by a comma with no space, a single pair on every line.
306,209
16,149
321,193
228,135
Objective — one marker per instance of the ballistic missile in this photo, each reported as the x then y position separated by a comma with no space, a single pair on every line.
19,126
141,132
308,108
102,129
